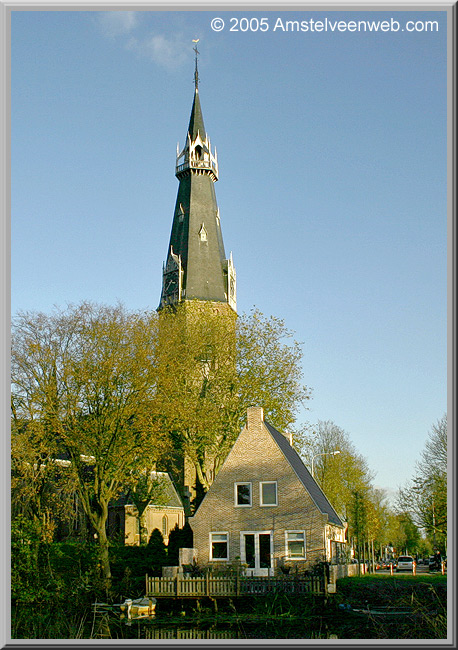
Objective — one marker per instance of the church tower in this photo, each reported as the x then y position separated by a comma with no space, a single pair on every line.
196,268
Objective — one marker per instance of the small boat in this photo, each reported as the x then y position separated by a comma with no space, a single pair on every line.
139,607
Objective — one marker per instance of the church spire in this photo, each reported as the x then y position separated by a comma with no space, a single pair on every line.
196,72
196,122
196,266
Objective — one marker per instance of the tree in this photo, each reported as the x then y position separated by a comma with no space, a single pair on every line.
195,390
425,495
358,517
340,475
39,486
211,368
346,480
157,551
402,534
83,382
269,370
145,486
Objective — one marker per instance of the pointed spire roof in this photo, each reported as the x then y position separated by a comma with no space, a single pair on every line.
196,266
196,122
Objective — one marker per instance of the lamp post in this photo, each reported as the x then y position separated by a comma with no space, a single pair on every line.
326,453
434,528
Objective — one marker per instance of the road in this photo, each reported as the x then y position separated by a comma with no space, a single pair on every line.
421,568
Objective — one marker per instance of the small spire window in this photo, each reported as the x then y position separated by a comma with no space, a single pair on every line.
203,233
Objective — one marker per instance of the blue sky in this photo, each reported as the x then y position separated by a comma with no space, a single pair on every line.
332,190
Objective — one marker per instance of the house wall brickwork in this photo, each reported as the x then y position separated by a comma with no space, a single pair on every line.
256,457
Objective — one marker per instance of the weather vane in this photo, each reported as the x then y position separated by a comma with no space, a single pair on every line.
196,73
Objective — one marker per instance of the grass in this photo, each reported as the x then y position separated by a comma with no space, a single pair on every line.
386,589
424,596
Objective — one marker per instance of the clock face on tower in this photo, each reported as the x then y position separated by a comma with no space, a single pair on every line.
171,284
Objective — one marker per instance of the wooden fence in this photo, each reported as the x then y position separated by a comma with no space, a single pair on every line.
223,587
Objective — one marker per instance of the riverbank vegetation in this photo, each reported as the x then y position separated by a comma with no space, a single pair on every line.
370,607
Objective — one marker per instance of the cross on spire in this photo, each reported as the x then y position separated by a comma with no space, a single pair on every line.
196,72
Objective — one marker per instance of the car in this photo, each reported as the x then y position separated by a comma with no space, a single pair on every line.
405,563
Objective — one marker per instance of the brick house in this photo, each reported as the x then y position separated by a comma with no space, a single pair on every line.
162,514
264,508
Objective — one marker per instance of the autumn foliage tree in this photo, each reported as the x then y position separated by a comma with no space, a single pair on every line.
83,383
211,368
339,475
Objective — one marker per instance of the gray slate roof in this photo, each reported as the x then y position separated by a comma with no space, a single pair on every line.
304,476
202,262
196,122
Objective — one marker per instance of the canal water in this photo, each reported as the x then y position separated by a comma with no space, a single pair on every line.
216,627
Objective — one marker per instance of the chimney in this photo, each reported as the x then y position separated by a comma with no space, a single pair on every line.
289,437
255,415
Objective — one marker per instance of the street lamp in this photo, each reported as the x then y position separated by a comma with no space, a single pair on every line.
326,453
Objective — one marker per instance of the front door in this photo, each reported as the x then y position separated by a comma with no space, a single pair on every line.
256,552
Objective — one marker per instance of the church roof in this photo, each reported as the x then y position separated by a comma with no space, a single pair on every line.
304,476
196,238
167,498
196,121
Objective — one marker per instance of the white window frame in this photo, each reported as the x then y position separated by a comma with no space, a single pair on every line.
256,534
210,547
287,554
268,505
243,505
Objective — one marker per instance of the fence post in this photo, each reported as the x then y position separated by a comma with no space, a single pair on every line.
207,584
147,592
177,587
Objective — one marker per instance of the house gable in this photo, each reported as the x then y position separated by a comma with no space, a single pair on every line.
261,461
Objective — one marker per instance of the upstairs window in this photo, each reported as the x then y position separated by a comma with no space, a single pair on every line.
268,493
243,494
219,546
295,544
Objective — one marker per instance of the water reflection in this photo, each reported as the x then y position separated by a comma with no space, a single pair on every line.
189,633
162,627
